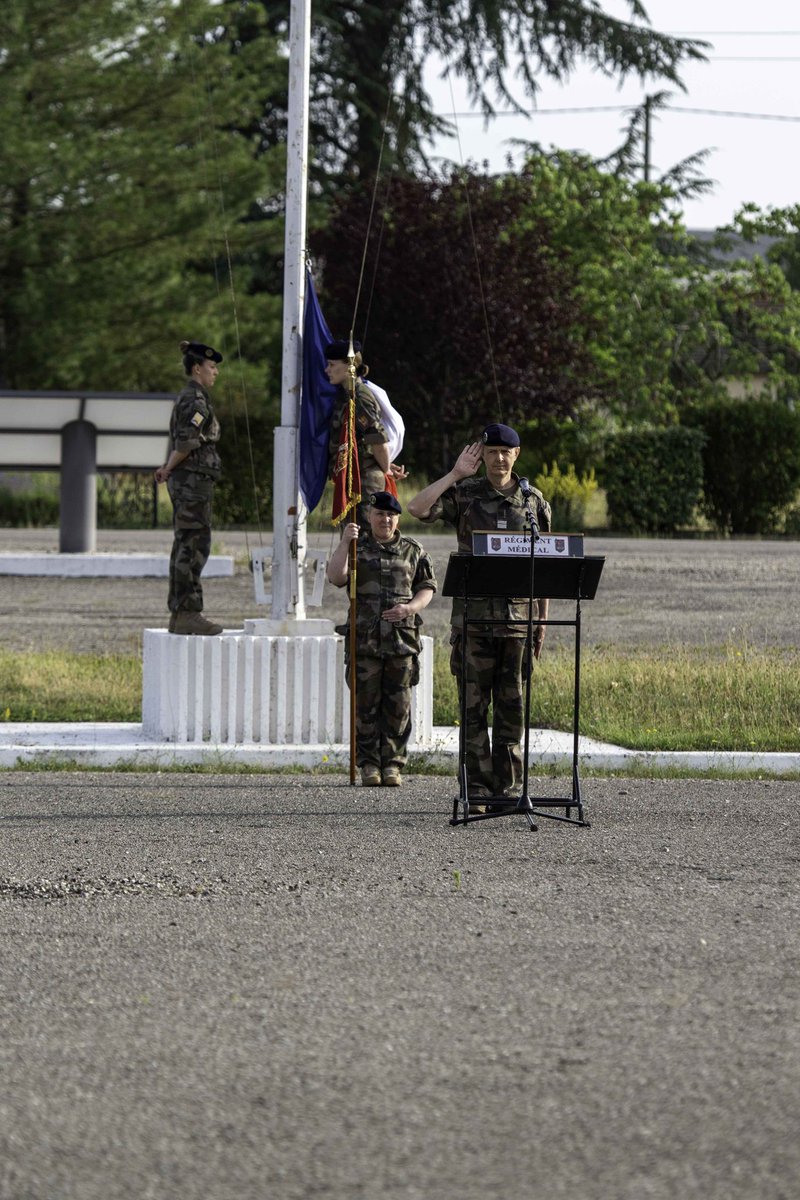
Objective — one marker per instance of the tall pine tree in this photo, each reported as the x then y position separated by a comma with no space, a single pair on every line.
121,172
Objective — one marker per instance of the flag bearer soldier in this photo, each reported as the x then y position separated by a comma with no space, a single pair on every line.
191,469
394,583
372,441
493,656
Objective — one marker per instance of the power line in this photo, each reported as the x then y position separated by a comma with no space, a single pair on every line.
735,33
598,108
719,112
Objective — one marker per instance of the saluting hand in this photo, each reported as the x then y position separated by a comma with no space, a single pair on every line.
468,461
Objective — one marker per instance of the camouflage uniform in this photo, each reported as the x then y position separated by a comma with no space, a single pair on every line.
192,427
494,653
370,432
387,652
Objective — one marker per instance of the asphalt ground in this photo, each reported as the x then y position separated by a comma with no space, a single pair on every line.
285,987
281,986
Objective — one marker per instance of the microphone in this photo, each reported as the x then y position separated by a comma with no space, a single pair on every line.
527,492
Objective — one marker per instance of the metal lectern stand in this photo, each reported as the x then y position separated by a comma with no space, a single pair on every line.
480,577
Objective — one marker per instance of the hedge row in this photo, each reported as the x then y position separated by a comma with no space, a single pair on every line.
737,462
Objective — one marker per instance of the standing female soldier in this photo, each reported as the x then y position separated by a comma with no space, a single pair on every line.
189,473
394,582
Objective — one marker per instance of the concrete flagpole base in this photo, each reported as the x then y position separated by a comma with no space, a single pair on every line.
245,687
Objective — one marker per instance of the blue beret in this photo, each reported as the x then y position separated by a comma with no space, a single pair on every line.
203,351
386,501
341,349
500,435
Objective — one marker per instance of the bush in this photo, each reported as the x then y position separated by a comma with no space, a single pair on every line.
577,440
568,495
125,501
243,494
751,462
33,509
653,479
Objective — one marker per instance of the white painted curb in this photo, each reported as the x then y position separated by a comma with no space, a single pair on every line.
109,744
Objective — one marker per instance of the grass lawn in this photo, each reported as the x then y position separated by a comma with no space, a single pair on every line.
670,699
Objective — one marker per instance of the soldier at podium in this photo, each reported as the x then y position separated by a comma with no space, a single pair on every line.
493,656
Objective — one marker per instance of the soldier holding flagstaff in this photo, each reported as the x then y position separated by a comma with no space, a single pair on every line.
395,582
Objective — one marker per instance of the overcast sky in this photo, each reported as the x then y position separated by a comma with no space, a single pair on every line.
753,68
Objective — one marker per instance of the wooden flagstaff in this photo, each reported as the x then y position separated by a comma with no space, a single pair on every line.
353,552
353,559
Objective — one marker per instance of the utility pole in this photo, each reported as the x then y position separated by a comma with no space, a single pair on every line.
648,103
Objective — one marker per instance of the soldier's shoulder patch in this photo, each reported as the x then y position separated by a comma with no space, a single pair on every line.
197,419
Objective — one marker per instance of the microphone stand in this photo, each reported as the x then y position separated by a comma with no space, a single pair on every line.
525,804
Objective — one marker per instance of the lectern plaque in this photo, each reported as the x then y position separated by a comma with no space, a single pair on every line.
504,542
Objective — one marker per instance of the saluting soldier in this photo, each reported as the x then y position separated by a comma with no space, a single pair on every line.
371,438
190,472
493,656
395,581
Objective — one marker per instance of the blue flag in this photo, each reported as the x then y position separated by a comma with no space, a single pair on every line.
317,401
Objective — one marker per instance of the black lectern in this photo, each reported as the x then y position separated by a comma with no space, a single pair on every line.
556,578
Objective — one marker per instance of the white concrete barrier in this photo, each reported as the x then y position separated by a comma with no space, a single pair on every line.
78,566
242,688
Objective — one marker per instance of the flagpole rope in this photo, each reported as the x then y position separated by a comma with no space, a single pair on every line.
369,219
231,282
377,259
473,235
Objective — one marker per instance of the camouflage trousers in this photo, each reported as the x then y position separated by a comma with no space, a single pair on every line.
191,495
492,675
383,709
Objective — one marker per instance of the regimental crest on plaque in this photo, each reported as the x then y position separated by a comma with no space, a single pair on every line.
496,543
560,544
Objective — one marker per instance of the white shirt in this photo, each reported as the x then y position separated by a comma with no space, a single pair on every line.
392,421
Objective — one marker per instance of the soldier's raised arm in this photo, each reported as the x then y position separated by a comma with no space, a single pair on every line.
467,463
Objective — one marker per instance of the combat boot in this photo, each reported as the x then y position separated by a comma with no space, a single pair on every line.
195,623
370,777
392,777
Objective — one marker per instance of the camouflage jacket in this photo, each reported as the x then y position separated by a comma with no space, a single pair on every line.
473,505
193,428
389,573
370,432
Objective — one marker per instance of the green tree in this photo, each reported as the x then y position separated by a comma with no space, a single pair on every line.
663,326
599,313
471,318
781,226
365,54
122,181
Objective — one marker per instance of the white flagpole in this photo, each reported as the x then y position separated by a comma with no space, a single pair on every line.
289,515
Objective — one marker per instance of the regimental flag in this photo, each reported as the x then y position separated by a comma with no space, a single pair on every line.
346,472
317,403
